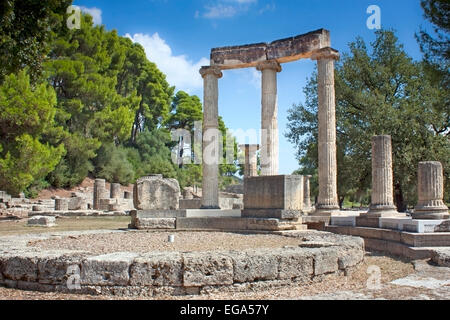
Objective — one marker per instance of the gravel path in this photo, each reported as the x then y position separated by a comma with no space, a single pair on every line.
142,242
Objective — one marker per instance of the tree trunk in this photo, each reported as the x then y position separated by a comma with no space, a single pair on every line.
341,202
399,200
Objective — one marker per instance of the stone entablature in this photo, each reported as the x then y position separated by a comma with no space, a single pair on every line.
284,50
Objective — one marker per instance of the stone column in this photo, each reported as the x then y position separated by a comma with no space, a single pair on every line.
306,194
251,159
211,137
328,200
382,204
61,205
269,117
430,192
115,191
99,191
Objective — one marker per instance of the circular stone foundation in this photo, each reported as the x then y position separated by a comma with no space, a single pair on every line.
146,264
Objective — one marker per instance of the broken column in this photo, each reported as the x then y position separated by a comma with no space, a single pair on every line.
99,191
430,191
61,205
115,191
328,200
307,194
269,117
211,137
382,204
251,159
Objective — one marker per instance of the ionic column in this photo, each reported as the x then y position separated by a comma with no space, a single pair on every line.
211,137
382,203
115,191
306,194
99,191
430,191
269,117
251,160
328,200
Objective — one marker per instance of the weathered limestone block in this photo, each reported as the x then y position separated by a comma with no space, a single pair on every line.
155,223
254,265
157,269
23,267
296,263
156,193
56,269
441,256
325,260
350,258
202,269
430,192
109,269
77,203
42,221
273,197
443,227
61,204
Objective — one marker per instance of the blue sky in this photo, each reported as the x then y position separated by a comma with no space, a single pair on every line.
179,34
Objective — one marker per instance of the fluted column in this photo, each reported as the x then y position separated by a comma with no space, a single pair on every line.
211,137
430,191
307,194
99,192
382,203
269,117
328,200
251,160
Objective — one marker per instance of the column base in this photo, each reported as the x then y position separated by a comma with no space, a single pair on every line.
430,214
383,211
326,211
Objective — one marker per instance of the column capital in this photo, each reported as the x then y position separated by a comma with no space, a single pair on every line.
325,53
215,71
269,64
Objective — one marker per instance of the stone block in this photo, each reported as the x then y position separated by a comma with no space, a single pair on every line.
155,223
205,269
156,193
443,227
271,213
107,270
325,260
56,270
350,258
158,269
190,204
255,265
296,263
42,221
343,221
77,203
23,267
273,192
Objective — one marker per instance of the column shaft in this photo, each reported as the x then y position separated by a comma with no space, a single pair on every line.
99,192
211,138
269,118
328,200
382,203
430,191
306,194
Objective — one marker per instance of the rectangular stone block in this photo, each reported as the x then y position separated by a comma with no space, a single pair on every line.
271,213
296,262
56,270
23,268
325,260
273,192
107,270
158,269
190,203
155,223
255,265
343,221
77,203
410,225
202,269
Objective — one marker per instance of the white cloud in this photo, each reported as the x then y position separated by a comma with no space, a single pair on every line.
180,72
227,8
96,14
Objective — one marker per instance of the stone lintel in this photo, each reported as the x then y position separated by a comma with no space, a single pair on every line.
283,51
325,53
215,71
